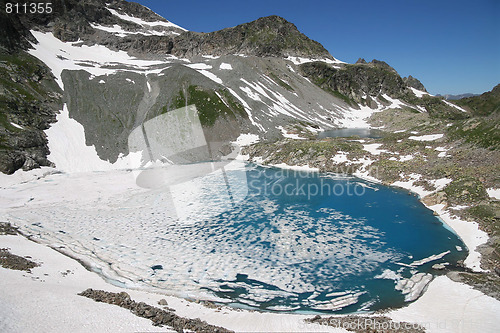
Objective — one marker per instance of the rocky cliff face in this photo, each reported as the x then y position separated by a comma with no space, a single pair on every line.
357,81
410,81
29,100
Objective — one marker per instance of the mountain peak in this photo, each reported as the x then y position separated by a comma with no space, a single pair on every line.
414,83
270,36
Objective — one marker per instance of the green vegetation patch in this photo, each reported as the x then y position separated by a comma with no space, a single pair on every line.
208,103
483,132
486,213
466,189
388,170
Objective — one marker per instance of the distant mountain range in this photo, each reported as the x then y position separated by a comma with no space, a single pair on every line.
455,97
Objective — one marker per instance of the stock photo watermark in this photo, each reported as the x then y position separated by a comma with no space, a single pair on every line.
304,184
380,324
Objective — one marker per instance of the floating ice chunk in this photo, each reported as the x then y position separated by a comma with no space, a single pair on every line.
413,287
388,275
283,308
339,302
429,259
296,167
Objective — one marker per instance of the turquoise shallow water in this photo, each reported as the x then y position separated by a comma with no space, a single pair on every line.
338,235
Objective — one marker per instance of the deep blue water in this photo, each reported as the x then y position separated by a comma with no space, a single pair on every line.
315,236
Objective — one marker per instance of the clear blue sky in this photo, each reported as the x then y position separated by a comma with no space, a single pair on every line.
452,46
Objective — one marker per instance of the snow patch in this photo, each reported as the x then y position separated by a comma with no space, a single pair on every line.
441,183
373,148
225,66
58,55
454,106
494,193
139,21
247,139
301,60
450,307
211,76
68,150
428,137
16,125
199,66
340,157
469,232
413,177
285,134
419,93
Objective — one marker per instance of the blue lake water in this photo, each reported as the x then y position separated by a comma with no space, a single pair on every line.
254,237
332,238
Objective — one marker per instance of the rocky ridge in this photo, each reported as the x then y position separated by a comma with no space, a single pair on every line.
159,317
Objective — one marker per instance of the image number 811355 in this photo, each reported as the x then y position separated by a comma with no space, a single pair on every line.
29,8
